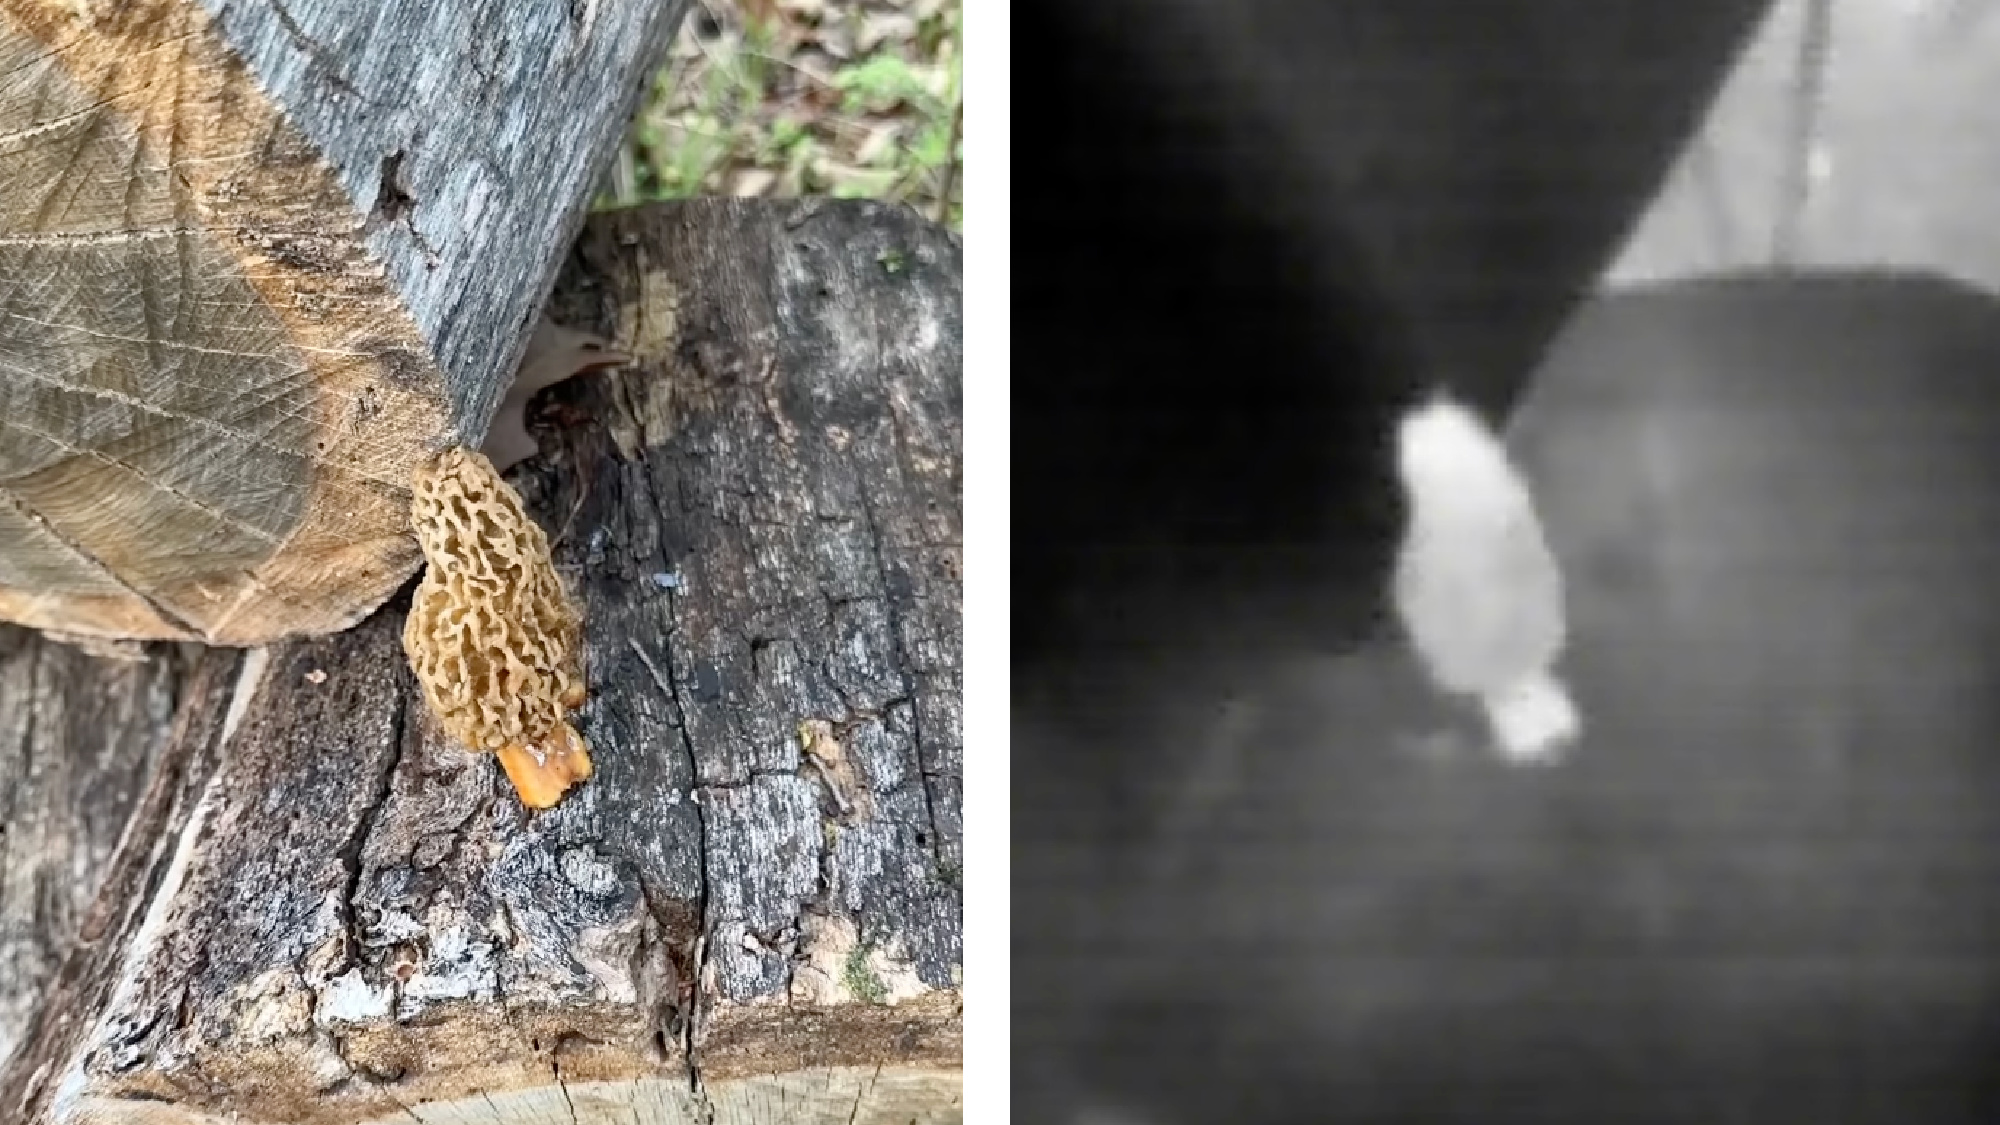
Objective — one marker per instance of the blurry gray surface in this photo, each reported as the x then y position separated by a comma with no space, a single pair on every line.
1876,146
1766,887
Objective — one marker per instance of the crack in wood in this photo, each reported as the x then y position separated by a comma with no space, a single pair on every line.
54,238
396,205
652,669
56,124
352,852
861,1094
555,1067
691,1031
57,182
393,201
274,390
92,562
49,55
907,669
313,50
291,368
101,457
212,426
138,870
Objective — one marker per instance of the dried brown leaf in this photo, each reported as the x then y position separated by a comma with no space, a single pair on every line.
751,182
879,144
885,28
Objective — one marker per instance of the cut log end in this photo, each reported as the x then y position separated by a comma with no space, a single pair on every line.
891,1095
247,326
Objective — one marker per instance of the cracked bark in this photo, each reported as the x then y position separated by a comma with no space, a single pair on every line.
750,913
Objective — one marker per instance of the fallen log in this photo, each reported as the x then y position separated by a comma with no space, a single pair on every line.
322,911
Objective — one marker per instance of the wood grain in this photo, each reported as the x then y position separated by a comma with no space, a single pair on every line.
78,739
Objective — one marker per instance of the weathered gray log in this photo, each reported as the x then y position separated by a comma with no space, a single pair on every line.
265,258
327,913
78,739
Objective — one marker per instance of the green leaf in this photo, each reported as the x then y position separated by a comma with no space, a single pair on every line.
878,84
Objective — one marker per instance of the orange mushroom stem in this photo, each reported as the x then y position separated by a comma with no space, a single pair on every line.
543,771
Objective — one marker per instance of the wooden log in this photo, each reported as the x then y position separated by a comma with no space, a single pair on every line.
751,912
266,257
78,740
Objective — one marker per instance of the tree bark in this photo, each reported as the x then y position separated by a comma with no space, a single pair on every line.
280,253
322,911
78,740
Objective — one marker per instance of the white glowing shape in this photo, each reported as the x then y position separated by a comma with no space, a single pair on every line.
1476,587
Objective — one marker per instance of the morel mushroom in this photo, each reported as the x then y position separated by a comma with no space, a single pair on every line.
492,635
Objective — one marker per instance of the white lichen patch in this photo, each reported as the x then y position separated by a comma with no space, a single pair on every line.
394,926
350,999
834,967
460,967
587,871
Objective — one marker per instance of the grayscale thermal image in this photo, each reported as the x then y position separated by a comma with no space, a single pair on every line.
1506,562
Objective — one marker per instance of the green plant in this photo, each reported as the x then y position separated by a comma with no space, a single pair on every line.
883,83
877,84
860,979
742,110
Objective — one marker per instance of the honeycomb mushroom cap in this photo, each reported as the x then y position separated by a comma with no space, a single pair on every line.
491,634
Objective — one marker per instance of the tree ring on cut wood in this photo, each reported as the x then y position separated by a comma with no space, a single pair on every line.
212,398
